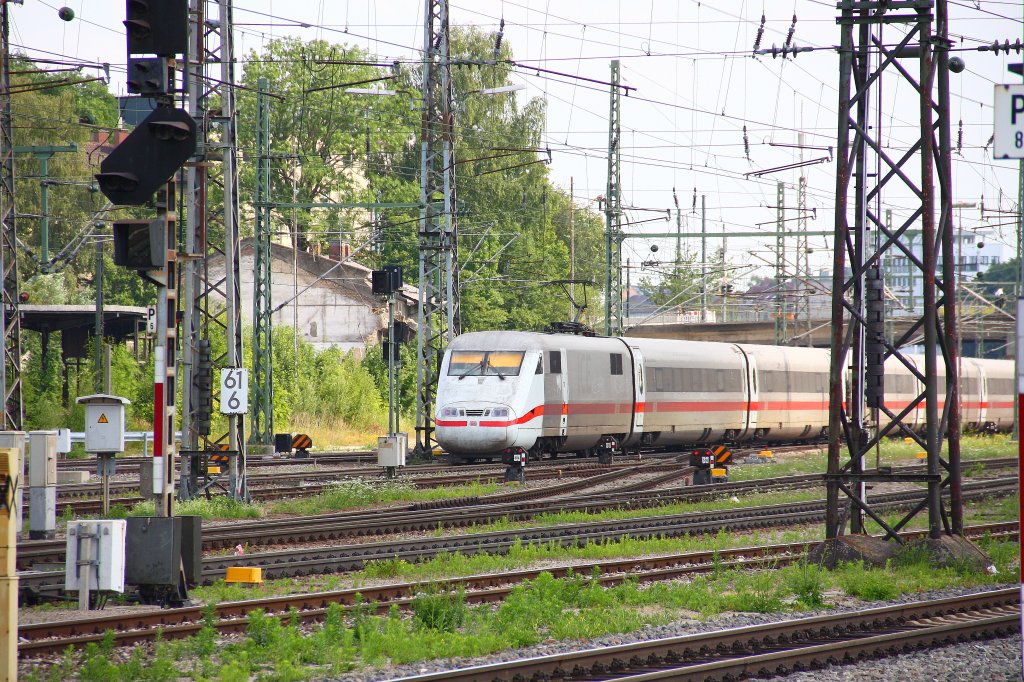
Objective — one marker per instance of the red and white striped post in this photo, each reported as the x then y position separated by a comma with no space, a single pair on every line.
165,357
159,419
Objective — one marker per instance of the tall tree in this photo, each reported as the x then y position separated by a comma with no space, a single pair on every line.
319,132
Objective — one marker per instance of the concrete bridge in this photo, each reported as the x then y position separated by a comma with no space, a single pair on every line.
994,334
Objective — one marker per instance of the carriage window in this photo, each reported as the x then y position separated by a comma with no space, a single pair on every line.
616,363
555,361
540,365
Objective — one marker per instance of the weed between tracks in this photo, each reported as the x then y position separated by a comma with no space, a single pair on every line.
344,495
360,493
893,452
442,624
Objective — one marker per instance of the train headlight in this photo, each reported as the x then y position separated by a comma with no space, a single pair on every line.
450,412
499,412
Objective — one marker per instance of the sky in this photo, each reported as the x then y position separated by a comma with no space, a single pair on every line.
697,86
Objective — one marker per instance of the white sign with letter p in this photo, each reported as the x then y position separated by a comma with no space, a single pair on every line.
1008,142
234,390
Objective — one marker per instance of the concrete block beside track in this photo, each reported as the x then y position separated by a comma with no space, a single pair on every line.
72,477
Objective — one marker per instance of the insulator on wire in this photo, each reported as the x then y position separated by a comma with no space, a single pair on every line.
1005,47
960,136
497,38
792,30
694,207
746,143
760,33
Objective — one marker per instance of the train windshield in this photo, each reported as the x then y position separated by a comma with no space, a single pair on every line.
474,363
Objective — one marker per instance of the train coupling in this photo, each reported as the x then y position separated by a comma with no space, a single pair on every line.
515,459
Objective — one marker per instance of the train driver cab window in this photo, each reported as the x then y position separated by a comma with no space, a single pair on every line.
540,364
474,363
616,363
555,361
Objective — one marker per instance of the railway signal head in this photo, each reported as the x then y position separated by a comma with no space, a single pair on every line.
148,157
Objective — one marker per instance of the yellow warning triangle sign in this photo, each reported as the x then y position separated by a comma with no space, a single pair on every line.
102,419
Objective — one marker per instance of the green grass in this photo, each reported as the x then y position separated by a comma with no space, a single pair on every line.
443,625
893,452
360,493
346,495
558,518
215,508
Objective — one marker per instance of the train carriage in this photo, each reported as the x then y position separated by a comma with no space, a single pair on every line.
553,393
695,392
792,392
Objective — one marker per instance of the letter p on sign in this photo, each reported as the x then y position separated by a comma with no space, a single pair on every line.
1008,142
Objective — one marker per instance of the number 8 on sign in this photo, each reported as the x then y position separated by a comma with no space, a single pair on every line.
234,391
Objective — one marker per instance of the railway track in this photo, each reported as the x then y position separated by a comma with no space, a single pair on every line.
415,517
348,557
268,488
770,649
453,513
49,638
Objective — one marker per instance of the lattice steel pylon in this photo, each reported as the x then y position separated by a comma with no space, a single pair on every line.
864,415
212,298
438,312
262,393
10,368
781,276
613,213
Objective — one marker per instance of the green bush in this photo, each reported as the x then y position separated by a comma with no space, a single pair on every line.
807,582
438,609
869,584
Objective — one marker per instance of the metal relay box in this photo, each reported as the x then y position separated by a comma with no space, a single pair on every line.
391,450
42,462
104,422
108,551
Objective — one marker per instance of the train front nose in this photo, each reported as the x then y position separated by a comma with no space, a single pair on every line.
476,428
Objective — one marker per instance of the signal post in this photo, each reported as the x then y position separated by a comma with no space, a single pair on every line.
144,164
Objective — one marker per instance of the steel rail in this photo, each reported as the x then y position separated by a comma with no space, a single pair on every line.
53,637
773,648
365,523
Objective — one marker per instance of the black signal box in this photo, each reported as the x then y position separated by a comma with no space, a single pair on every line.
148,157
140,244
157,27
386,281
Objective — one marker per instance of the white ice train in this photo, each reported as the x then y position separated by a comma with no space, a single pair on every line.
545,394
